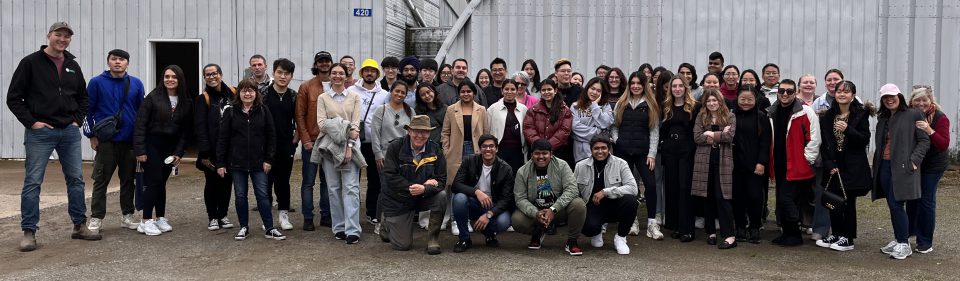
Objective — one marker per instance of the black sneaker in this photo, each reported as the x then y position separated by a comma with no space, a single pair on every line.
340,236
353,239
573,248
842,244
492,242
462,246
536,240
920,249
275,235
827,241
308,225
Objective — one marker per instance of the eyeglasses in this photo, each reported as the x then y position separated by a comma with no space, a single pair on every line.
210,75
787,91
488,146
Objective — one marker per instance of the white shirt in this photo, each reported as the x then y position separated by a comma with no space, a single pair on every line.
484,183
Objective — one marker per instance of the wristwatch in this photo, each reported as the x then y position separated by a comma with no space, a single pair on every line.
350,144
489,215
554,210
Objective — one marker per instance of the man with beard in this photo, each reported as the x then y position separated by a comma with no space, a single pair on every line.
308,130
449,93
410,68
371,96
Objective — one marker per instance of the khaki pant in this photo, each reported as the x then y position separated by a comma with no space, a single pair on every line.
574,214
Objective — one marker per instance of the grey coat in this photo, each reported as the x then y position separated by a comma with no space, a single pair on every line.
908,146
332,144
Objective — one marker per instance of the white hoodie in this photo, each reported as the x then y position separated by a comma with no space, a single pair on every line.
369,100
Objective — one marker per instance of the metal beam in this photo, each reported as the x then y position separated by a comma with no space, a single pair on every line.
457,27
416,13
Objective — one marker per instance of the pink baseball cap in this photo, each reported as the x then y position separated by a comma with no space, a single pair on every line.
889,90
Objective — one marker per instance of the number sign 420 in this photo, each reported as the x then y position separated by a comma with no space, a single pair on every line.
362,12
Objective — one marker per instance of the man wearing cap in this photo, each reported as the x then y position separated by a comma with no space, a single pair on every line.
545,190
308,131
371,96
48,95
449,93
415,173
391,66
281,100
796,144
110,91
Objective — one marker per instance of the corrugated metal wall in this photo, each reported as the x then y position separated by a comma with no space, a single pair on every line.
874,42
295,29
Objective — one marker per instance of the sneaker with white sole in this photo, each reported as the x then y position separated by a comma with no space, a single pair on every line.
149,228
225,223
888,249
925,250
376,228
597,241
163,225
843,244
901,251
129,222
285,221
653,231
635,228
826,242
214,225
242,234
275,235
94,224
620,242
454,229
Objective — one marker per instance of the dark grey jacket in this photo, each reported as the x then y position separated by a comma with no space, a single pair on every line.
908,146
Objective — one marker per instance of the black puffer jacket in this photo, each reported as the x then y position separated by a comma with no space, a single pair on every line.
246,140
501,182
210,106
157,119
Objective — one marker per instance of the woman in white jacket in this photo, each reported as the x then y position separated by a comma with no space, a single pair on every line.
591,116
506,123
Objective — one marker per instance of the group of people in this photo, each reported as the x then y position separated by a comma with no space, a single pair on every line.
509,152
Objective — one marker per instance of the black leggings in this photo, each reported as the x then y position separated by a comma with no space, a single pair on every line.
638,164
749,191
155,175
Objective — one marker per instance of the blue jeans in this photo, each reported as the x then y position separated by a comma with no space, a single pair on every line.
898,216
923,212
240,180
469,208
310,171
344,188
39,144
821,216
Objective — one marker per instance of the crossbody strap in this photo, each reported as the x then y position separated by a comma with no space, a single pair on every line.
123,99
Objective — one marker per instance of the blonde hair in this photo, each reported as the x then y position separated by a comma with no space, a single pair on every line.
924,92
688,102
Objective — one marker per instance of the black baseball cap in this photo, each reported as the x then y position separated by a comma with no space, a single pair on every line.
322,55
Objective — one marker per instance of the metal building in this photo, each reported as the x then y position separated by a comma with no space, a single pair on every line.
905,42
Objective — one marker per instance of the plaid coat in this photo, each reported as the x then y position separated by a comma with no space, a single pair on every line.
701,160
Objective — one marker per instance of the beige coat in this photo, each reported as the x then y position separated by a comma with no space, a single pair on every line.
451,136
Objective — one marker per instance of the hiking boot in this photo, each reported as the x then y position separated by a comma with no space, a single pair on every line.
308,225
81,231
29,241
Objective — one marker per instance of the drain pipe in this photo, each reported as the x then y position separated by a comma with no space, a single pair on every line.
416,14
457,27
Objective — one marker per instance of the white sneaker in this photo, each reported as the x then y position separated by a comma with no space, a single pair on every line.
163,225
149,228
889,248
376,228
94,224
454,229
275,235
510,229
635,229
225,223
698,223
285,221
129,222
620,242
424,219
214,225
653,231
242,234
597,241
901,251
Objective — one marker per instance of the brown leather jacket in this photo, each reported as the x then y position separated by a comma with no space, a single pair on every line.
306,113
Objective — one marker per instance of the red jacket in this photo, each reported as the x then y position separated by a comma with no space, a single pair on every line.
803,141
536,125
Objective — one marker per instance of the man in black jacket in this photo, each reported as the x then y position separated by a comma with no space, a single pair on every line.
415,176
483,193
48,95
281,100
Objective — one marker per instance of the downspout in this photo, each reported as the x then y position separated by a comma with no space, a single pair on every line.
457,27
416,14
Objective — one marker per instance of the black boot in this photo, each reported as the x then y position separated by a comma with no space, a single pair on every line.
741,234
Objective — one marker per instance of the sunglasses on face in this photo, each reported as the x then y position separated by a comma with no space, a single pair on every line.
788,91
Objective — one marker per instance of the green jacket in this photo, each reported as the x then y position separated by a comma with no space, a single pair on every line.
560,176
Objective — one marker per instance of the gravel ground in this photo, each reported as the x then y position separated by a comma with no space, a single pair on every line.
191,252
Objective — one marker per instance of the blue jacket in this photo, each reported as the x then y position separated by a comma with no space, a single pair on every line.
104,92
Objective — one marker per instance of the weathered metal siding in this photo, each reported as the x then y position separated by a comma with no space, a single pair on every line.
294,29
874,42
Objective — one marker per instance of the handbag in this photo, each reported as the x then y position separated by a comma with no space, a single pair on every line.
140,186
107,128
831,200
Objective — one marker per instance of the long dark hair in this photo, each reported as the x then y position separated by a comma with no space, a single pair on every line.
556,104
181,82
623,78
423,106
583,102
406,88
693,70
660,91
756,88
646,66
536,72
